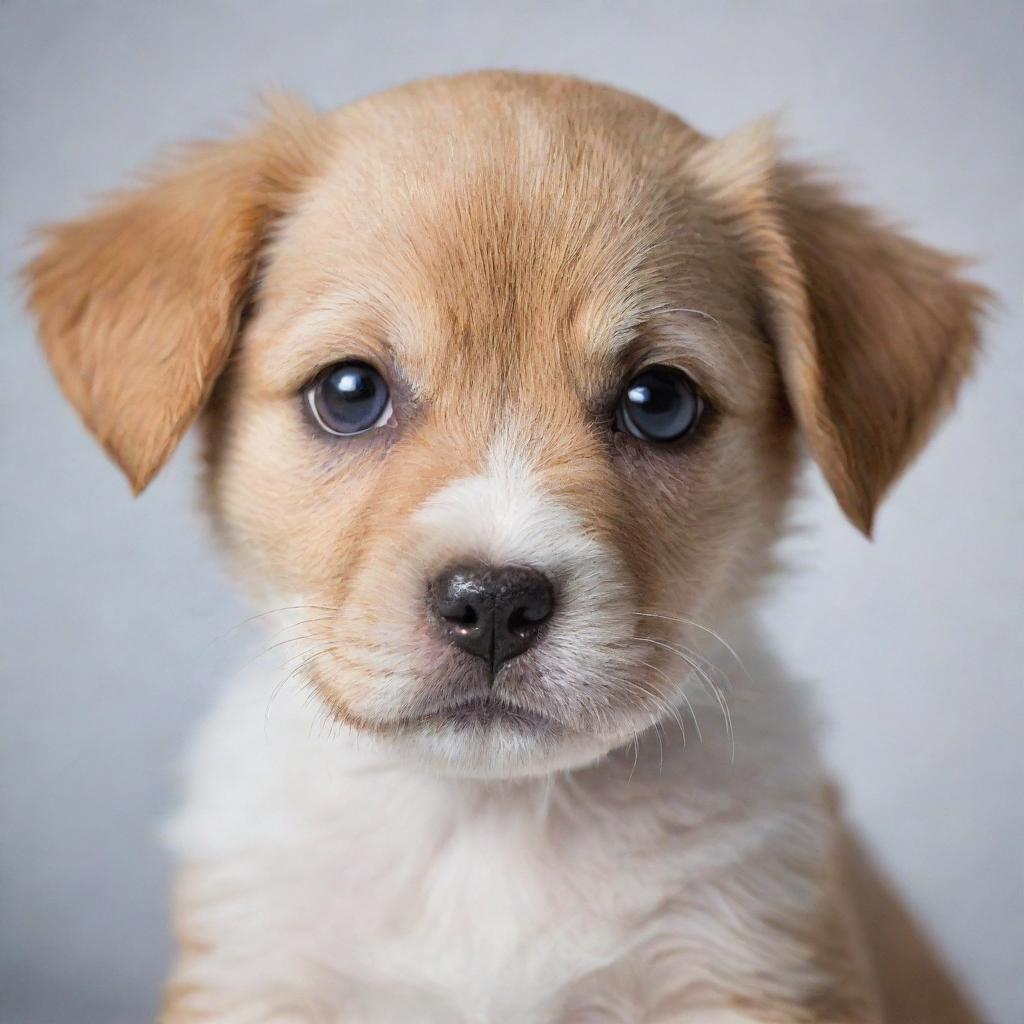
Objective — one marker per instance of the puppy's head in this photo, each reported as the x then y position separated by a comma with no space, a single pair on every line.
502,375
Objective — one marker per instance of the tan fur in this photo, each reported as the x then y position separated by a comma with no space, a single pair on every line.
507,249
914,983
874,331
139,303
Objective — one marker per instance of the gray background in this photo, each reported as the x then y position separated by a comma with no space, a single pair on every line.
117,626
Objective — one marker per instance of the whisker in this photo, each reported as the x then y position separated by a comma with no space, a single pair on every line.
281,611
636,756
713,687
308,657
303,622
665,705
292,640
706,629
682,693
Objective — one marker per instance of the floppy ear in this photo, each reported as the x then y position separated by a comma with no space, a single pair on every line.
139,302
874,331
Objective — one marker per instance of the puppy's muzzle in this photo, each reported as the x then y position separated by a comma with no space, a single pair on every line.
494,614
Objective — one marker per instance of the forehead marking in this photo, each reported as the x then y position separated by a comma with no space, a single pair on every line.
503,516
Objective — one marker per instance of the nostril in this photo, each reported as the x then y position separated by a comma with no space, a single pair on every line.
464,609
523,604
519,621
459,615
528,618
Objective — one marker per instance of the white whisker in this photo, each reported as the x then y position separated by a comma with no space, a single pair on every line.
713,687
705,629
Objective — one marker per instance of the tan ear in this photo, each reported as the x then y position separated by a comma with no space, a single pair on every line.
139,302
874,331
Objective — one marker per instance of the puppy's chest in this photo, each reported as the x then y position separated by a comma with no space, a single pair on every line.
373,893
483,919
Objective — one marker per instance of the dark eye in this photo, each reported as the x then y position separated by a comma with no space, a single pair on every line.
659,404
349,398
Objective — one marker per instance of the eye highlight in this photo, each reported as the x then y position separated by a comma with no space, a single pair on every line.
349,398
660,404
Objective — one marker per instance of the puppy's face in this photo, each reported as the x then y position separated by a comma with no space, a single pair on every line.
499,407
512,403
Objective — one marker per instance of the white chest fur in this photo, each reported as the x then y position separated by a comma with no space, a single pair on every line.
344,887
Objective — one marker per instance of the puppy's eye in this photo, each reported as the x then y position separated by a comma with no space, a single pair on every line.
659,404
349,398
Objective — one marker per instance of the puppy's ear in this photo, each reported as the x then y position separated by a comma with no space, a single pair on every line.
874,331
139,302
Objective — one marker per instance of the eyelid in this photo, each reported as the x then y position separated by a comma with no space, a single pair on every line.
608,400
712,360
308,348
310,380
704,384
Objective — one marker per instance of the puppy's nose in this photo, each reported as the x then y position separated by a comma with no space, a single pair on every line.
494,614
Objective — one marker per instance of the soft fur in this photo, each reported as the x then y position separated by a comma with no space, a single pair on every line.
508,249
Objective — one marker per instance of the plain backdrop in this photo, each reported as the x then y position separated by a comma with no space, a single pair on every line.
116,625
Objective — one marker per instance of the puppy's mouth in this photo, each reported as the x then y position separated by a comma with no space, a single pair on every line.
484,712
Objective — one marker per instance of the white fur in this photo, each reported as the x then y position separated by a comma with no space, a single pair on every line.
338,884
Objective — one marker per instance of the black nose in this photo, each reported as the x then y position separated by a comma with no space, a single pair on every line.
495,614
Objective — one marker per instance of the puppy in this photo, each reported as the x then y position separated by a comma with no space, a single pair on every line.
502,382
